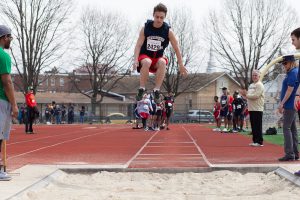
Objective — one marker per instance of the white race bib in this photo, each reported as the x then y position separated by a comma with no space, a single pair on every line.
146,107
239,106
224,102
170,104
153,45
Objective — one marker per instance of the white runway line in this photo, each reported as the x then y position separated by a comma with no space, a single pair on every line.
198,148
49,146
141,149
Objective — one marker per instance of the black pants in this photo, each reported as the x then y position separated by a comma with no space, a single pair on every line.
29,120
256,126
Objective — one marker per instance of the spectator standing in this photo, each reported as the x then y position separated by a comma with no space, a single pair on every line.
255,98
224,100
238,112
8,105
63,114
169,106
31,110
57,114
287,108
70,114
144,108
216,111
81,114
48,114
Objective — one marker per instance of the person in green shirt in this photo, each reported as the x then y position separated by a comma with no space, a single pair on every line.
8,105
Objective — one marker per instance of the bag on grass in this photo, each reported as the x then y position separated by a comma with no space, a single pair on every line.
271,131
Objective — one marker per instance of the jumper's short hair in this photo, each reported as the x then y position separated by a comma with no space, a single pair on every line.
160,8
296,32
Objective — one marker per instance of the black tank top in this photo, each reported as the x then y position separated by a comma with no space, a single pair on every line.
223,100
156,39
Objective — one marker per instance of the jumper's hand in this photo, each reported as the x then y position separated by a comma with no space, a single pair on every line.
183,71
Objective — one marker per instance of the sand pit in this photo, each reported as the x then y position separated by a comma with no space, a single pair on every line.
218,185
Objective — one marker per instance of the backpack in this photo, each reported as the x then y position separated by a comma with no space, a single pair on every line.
271,131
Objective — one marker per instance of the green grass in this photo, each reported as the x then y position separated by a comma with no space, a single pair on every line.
273,139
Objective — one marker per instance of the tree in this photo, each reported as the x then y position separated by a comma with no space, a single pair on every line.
106,37
184,28
248,34
38,26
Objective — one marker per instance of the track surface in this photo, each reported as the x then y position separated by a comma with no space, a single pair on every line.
185,145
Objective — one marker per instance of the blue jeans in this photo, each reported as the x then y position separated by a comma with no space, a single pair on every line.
81,119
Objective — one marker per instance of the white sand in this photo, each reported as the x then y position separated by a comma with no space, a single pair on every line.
219,185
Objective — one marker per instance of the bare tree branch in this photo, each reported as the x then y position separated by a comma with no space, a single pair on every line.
40,33
252,35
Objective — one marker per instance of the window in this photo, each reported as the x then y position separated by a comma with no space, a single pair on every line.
61,82
52,81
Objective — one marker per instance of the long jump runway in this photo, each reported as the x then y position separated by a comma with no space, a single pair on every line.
184,146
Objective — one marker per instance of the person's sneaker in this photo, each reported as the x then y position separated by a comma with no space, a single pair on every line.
140,94
256,145
225,130
234,131
217,129
4,176
286,158
156,96
151,129
157,129
146,129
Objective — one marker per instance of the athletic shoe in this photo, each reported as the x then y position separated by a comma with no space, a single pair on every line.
140,94
217,129
234,131
156,96
256,145
151,129
157,129
146,129
225,130
286,158
4,176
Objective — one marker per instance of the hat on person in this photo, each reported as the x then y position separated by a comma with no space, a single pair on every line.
224,88
4,30
287,58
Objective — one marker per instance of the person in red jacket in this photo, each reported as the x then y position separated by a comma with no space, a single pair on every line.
31,110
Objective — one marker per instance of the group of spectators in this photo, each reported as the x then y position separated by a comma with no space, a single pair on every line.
154,114
232,109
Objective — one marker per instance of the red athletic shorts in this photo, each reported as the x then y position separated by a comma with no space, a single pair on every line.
144,115
154,61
